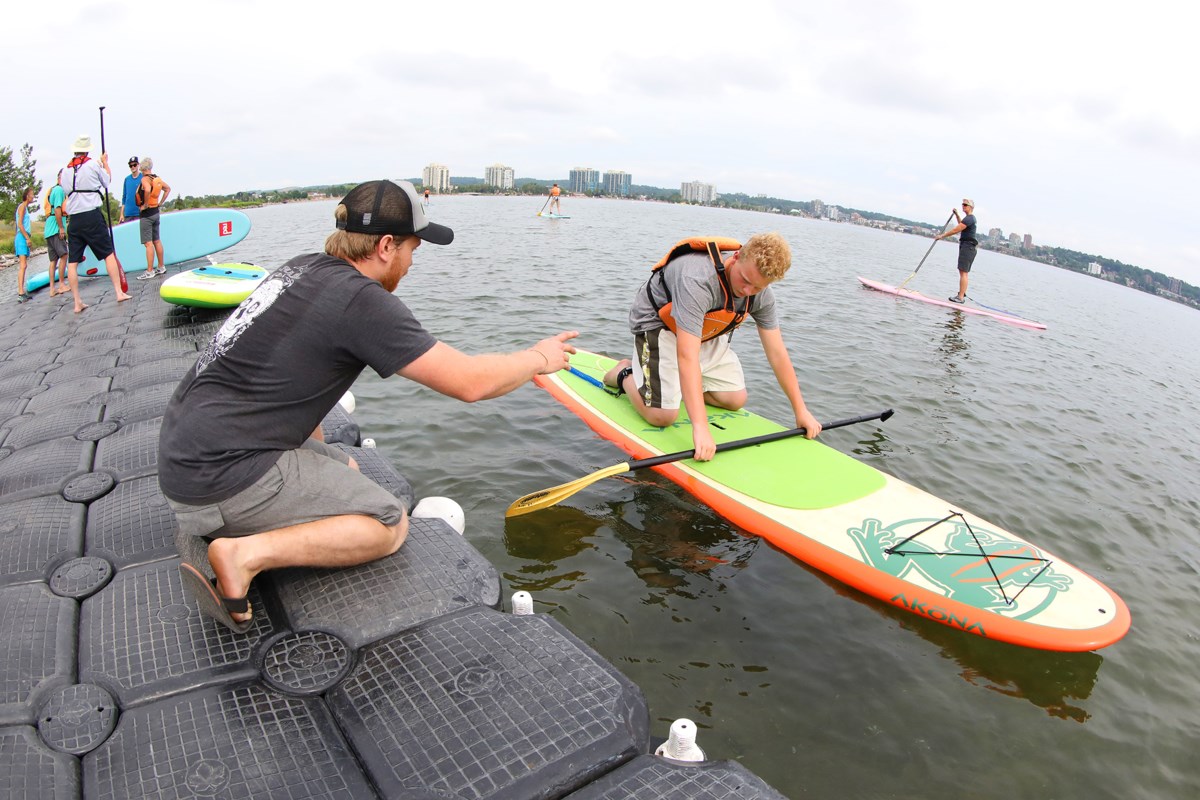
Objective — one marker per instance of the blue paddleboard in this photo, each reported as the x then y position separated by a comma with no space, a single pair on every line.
185,235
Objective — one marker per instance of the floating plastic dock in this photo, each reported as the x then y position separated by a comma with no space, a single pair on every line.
397,679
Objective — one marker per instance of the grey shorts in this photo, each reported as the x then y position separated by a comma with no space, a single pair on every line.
307,484
56,247
966,257
150,226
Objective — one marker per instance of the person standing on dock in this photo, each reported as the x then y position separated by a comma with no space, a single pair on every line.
56,239
240,456
23,241
967,246
151,193
683,319
85,182
129,209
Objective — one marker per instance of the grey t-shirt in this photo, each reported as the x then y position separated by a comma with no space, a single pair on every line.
273,371
968,233
695,289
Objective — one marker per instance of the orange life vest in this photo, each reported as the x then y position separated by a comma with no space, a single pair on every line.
725,317
145,201
74,164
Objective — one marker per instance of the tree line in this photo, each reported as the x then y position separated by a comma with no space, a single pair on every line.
16,176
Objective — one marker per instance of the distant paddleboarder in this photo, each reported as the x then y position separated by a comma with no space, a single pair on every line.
554,193
967,245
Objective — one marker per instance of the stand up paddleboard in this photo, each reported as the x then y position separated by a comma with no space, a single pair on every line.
554,216
213,286
982,312
185,235
868,529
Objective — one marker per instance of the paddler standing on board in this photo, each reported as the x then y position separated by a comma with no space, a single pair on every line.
682,321
967,246
554,193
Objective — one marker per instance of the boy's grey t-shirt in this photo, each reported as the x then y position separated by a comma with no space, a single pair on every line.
273,371
695,288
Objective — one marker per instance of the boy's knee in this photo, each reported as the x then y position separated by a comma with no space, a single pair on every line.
661,417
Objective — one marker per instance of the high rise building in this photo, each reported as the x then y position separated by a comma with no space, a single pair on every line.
584,179
1028,245
995,234
697,192
617,182
498,175
436,177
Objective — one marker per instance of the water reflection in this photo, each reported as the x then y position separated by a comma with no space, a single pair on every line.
544,539
1055,682
954,347
672,539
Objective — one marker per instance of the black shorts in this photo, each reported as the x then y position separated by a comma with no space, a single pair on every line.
966,256
88,229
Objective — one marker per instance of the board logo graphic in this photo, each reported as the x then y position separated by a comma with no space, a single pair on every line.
976,566
225,227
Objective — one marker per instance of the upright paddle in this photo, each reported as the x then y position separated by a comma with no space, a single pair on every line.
927,252
555,495
108,212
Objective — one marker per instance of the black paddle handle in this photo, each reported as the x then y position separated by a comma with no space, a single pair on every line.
667,458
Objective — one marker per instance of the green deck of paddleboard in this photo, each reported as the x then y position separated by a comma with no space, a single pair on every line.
792,473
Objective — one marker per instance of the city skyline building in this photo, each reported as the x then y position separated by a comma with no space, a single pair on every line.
617,182
436,177
698,192
584,179
498,175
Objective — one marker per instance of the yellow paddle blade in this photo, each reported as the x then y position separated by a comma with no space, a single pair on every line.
556,494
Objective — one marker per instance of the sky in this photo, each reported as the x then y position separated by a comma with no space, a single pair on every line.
1073,122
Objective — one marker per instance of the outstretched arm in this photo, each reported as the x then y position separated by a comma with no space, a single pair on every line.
481,377
785,374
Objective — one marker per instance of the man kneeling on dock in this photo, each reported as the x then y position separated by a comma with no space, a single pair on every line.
241,459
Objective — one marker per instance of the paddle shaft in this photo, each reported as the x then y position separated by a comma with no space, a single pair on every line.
766,437
556,494
927,252
108,211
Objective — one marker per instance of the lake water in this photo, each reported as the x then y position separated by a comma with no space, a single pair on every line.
1083,438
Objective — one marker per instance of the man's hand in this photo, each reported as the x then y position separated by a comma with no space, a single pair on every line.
556,351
